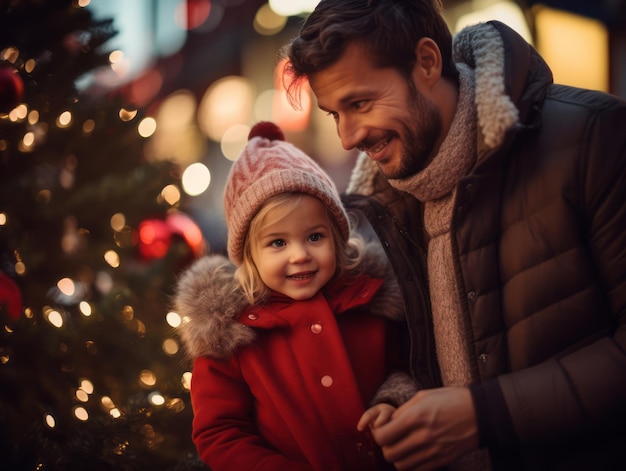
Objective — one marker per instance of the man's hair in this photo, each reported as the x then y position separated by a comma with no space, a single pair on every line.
387,29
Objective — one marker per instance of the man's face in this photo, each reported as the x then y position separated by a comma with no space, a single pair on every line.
380,112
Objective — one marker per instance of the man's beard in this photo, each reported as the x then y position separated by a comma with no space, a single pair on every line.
420,135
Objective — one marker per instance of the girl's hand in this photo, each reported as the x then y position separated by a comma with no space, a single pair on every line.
375,416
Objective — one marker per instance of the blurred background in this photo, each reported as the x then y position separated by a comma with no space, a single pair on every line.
207,70
119,121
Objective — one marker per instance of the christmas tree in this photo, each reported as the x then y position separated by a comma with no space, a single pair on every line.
91,373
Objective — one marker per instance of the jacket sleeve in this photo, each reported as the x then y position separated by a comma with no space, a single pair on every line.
398,388
582,390
224,430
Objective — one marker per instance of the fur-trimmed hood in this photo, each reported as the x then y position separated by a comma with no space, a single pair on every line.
210,301
507,88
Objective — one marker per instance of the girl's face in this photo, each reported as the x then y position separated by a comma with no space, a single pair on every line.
294,251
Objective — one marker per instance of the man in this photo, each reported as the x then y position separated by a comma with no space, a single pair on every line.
520,188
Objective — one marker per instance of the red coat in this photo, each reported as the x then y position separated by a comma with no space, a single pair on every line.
290,398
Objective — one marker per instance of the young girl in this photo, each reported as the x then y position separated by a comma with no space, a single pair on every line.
294,338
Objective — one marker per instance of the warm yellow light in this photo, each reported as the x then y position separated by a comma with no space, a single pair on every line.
33,117
29,139
156,398
112,258
147,127
171,194
66,286
64,119
118,221
267,22
29,66
50,422
170,346
127,115
292,7
18,113
506,11
86,386
234,141
81,395
177,111
107,402
20,268
85,308
196,179
89,126
54,317
81,413
116,56
147,378
575,48
226,102
186,380
173,319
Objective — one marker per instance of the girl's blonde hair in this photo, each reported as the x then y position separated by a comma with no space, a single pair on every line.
349,253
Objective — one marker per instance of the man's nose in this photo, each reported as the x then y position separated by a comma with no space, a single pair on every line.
350,132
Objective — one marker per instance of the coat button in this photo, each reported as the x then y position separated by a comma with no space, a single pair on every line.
253,317
316,328
471,295
327,381
483,357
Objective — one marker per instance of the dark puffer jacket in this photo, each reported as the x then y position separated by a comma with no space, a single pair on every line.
539,244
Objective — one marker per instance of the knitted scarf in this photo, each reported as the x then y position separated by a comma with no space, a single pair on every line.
435,186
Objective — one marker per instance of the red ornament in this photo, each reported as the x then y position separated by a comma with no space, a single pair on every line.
10,296
268,130
155,238
155,235
184,226
11,88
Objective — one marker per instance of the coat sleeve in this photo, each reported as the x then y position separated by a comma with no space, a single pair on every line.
224,430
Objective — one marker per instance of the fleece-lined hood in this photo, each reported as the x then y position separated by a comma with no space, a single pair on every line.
210,301
508,87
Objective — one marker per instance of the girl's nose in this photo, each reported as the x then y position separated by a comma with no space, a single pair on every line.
298,254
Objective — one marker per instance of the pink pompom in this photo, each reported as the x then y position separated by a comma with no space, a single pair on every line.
267,130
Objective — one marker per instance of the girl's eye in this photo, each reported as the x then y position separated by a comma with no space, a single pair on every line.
315,237
277,243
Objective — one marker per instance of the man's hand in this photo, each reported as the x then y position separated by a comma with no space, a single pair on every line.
431,430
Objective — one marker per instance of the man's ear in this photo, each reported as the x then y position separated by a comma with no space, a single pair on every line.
428,61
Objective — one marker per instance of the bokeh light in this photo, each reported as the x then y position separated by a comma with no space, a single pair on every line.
196,179
227,102
267,22
147,127
234,141
292,7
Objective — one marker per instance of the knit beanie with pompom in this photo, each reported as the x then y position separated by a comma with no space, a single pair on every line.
269,166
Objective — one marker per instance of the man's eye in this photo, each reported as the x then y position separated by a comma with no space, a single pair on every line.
333,115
